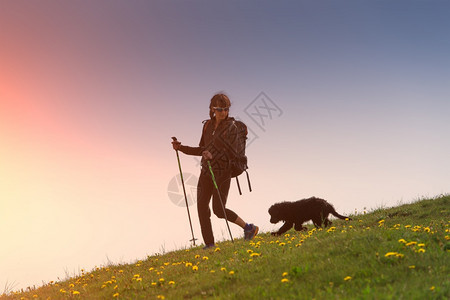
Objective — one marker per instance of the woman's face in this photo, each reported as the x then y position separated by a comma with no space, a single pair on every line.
221,113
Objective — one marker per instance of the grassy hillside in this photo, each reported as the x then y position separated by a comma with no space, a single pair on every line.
394,253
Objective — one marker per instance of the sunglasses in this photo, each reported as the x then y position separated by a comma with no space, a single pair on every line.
221,109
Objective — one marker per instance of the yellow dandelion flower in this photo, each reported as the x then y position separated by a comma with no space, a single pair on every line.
284,280
205,258
381,221
116,295
135,276
402,241
197,256
411,243
390,254
161,280
153,283
287,235
188,264
139,279
217,249
284,274
412,267
282,244
63,291
151,269
421,250
254,254
35,296
421,245
231,272
75,293
331,229
116,286
195,268
249,251
407,226
447,237
223,269
432,288
71,285
347,278
171,282
161,297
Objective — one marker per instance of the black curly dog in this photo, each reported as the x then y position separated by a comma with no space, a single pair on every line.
300,211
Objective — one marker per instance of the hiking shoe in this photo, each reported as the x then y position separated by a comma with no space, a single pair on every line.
250,234
209,246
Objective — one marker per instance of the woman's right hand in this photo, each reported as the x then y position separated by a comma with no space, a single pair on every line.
176,145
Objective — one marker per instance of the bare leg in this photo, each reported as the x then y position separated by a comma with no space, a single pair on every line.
239,222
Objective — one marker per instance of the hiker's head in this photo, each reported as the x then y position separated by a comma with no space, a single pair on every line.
220,105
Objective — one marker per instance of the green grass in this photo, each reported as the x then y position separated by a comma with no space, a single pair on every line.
389,253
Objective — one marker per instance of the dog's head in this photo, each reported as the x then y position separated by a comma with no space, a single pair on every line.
275,213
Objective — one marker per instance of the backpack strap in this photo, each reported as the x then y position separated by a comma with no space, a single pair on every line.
238,185
248,180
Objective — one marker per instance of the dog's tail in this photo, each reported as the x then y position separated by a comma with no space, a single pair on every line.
334,213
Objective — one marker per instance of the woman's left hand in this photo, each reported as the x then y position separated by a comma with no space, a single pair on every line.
207,155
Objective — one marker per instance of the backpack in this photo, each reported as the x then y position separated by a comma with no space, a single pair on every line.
239,164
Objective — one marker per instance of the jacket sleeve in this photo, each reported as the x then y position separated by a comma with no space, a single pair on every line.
197,151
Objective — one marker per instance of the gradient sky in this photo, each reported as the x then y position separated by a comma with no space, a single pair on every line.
92,91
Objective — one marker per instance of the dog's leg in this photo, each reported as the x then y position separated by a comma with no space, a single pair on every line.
317,221
298,226
286,226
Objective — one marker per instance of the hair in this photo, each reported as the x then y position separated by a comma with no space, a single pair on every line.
218,100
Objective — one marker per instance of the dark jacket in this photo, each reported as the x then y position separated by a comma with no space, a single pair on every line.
221,142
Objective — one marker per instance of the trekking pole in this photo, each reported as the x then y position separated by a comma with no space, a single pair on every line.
184,191
220,198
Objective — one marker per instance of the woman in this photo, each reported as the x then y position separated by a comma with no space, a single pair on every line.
217,145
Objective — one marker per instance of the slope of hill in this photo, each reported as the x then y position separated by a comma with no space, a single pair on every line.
388,253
